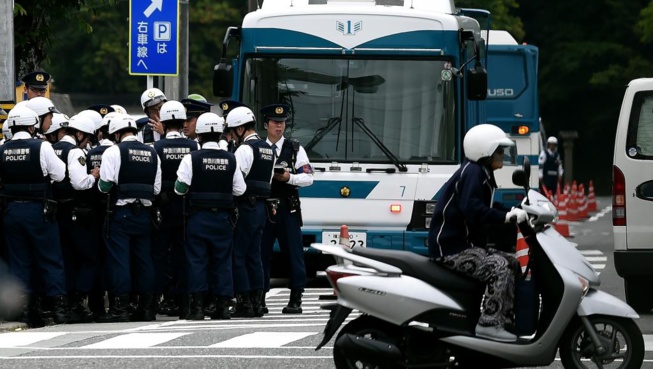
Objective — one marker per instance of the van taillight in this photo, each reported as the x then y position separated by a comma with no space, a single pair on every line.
618,197
333,277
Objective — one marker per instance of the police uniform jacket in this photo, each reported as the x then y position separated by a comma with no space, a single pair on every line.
147,173
27,165
211,173
463,210
550,164
299,168
256,161
172,150
77,174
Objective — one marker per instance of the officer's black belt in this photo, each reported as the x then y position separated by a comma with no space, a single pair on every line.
260,185
26,187
167,186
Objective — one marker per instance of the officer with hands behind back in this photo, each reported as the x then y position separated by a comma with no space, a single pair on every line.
285,226
457,235
131,175
210,178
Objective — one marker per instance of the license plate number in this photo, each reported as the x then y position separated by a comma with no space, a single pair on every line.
355,238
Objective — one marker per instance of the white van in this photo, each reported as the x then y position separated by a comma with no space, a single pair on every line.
632,194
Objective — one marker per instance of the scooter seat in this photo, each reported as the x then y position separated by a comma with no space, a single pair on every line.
422,268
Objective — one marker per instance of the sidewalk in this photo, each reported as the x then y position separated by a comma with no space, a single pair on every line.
12,326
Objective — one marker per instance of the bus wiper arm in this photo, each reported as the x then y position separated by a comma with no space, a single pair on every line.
361,124
321,132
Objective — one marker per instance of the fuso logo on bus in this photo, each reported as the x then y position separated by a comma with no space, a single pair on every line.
500,92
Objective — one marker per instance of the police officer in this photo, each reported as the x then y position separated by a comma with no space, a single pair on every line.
6,133
285,226
210,178
57,129
27,166
168,239
550,171
36,84
131,174
227,141
96,117
103,109
256,161
74,215
151,100
457,235
99,204
44,108
194,108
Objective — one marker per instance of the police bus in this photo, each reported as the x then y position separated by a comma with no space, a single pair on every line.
381,93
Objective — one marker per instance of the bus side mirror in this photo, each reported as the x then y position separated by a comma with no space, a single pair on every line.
477,83
223,77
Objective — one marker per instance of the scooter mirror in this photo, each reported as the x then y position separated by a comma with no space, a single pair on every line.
520,178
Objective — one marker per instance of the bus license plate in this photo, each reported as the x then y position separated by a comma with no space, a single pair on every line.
355,238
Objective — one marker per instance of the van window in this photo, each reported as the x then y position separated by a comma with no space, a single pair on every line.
640,131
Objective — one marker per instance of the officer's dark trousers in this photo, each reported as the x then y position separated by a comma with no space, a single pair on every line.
168,258
34,242
80,250
287,231
248,268
129,249
209,239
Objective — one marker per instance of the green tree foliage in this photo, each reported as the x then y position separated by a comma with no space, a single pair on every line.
503,14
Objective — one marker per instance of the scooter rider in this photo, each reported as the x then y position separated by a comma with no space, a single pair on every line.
457,238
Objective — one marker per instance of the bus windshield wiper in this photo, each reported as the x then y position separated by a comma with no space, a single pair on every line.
361,124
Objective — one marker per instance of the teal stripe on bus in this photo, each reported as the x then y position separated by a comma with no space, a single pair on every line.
331,189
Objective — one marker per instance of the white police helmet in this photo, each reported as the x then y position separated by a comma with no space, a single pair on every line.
82,123
6,132
172,110
209,123
123,122
119,109
114,115
152,96
552,140
240,116
94,116
59,121
22,116
42,105
481,141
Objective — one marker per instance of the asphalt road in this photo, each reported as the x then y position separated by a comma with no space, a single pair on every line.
275,341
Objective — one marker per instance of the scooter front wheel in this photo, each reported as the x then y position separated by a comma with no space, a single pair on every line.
370,328
621,338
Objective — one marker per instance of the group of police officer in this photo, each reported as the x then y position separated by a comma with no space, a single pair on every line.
176,213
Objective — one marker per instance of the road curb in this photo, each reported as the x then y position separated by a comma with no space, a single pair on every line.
12,326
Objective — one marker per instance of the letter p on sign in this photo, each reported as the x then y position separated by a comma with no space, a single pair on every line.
162,31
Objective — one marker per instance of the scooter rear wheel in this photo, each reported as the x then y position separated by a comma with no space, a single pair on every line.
369,327
621,338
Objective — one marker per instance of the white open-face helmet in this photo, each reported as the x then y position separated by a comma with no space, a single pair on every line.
41,105
124,121
481,141
6,132
22,116
152,96
209,123
109,117
172,110
119,109
552,140
59,121
94,116
82,123
240,116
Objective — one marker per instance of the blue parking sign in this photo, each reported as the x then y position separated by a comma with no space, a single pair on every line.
154,37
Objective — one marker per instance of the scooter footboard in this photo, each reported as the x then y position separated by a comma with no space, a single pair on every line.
599,302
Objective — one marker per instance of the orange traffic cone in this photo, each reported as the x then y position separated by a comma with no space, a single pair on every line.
582,202
344,237
561,224
547,193
591,198
521,253
572,206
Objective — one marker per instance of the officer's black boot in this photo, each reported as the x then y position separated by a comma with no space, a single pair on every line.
96,305
117,310
222,309
258,299
145,309
60,309
209,304
79,312
169,306
32,314
295,303
184,306
243,308
197,311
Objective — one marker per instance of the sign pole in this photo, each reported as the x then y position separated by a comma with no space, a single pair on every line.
150,81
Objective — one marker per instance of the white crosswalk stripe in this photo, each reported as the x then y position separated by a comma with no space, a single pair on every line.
135,340
264,339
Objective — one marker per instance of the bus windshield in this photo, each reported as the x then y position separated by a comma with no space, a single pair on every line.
361,110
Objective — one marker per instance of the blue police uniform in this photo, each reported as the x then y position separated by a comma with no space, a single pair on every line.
247,264
33,243
550,169
168,238
129,229
77,231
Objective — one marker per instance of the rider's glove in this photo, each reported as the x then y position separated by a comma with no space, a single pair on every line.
518,214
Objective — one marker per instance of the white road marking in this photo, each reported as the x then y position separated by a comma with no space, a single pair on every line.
17,339
135,340
264,339
598,215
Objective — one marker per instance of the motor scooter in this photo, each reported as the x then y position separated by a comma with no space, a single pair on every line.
416,313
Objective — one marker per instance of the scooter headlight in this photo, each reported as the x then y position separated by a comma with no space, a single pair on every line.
584,284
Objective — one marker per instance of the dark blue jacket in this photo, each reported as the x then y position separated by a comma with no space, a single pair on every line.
463,211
